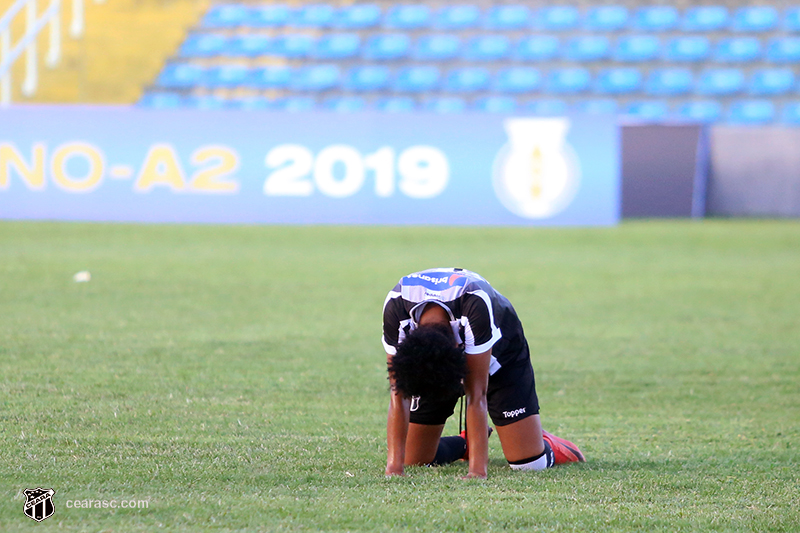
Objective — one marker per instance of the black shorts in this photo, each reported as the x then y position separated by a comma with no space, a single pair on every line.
511,396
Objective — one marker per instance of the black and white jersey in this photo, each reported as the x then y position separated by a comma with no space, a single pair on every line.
481,317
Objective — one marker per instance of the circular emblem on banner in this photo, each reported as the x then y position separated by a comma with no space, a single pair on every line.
536,174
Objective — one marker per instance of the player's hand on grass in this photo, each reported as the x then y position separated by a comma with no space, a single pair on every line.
394,471
474,475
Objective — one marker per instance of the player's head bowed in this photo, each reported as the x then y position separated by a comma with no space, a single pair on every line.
428,363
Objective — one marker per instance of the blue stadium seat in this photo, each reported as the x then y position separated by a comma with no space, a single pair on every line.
488,48
618,81
357,17
248,45
705,19
205,102
313,16
737,50
408,17
784,50
791,114
226,76
203,45
225,16
587,48
367,78
752,112
296,104
337,46
606,18
517,80
568,80
458,17
251,103
180,75
161,100
508,17
537,48
650,110
275,77
656,18
396,104
558,18
546,107
315,78
791,19
269,16
755,19
636,48
387,46
687,49
700,111
294,45
345,104
720,82
495,104
447,104
417,79
603,106
437,47
669,82
772,82
468,79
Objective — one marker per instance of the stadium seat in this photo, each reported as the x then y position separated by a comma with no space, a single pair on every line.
618,81
669,82
225,16
161,100
568,81
367,78
700,111
651,110
537,48
656,18
293,45
755,19
416,79
357,17
180,75
687,49
315,78
458,17
791,114
605,106
720,82
275,77
313,16
468,79
337,46
248,45
203,45
517,80
448,104
251,103
205,102
495,104
557,18
737,50
295,104
772,82
403,104
269,16
408,17
546,107
606,18
345,104
637,48
587,48
783,50
705,19
752,112
437,47
508,17
226,76
387,46
488,48
791,20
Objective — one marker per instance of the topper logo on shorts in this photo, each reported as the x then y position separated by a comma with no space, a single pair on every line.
514,413
433,281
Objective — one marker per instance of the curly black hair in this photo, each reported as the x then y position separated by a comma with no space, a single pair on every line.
428,363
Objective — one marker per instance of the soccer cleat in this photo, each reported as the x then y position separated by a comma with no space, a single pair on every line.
463,435
563,450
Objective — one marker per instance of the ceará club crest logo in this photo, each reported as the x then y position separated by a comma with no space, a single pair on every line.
536,174
39,503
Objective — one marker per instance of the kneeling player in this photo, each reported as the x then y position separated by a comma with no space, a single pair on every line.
447,332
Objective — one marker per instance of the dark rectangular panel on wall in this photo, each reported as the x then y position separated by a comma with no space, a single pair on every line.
663,170
754,172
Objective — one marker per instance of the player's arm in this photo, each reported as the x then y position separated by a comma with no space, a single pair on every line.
475,386
396,430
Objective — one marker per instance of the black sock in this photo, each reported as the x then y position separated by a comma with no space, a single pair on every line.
450,449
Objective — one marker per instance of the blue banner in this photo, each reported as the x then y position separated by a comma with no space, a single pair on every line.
138,165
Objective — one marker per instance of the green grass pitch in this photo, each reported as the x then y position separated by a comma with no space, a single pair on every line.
233,377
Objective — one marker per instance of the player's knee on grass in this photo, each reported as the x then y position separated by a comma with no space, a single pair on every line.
538,462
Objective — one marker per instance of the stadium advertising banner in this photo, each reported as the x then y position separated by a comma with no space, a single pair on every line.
137,165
